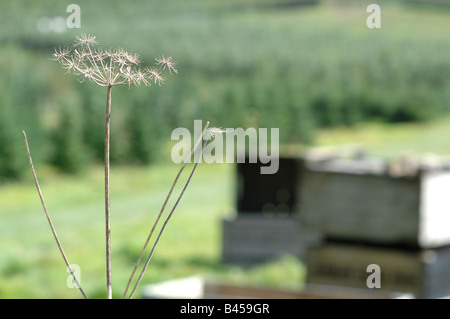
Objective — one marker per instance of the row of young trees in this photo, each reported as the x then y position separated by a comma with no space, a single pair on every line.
298,92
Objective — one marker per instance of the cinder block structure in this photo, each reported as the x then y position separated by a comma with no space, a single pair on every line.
395,215
266,224
341,215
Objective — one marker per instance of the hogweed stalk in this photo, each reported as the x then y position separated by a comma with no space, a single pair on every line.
44,206
201,137
108,68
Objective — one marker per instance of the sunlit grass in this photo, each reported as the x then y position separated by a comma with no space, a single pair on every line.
30,264
76,206
392,140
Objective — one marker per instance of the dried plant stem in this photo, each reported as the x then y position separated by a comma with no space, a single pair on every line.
108,68
55,235
167,220
163,207
107,193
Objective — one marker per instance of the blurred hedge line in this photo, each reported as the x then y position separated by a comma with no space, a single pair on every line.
297,69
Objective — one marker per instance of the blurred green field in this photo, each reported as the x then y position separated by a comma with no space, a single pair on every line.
241,64
30,264
393,140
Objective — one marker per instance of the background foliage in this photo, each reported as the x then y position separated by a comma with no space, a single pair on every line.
297,65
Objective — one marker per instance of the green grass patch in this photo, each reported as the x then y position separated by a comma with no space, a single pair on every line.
392,140
30,264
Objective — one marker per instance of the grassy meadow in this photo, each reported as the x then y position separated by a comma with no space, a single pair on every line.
30,263
390,141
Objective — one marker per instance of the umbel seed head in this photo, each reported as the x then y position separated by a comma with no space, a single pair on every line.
110,67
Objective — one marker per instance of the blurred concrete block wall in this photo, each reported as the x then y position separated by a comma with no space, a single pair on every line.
370,205
249,239
424,273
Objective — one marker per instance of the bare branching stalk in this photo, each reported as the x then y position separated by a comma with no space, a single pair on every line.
167,220
108,68
55,235
162,209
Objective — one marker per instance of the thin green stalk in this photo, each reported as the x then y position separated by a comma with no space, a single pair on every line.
163,207
165,223
55,235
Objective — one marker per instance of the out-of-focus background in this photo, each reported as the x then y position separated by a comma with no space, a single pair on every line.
311,68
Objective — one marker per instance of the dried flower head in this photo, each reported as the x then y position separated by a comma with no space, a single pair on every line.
109,67
167,63
154,74
60,53
85,40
